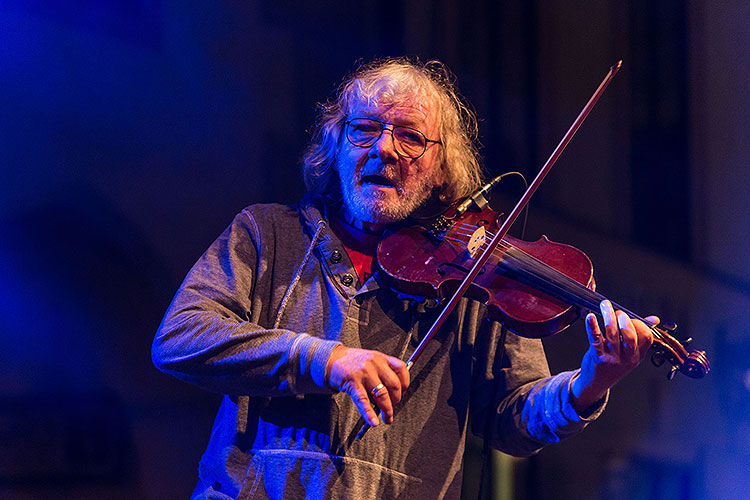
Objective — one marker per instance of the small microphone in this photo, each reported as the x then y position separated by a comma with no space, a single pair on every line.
477,198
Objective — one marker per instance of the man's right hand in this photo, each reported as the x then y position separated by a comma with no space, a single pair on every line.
358,371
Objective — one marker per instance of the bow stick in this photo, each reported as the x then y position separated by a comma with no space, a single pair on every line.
490,248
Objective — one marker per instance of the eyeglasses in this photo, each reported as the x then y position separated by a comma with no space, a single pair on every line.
408,142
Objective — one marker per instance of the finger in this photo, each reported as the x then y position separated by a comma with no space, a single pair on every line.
395,378
645,334
400,369
385,391
628,336
611,330
594,333
382,399
361,400
652,320
392,383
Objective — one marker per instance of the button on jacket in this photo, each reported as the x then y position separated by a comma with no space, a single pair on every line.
256,319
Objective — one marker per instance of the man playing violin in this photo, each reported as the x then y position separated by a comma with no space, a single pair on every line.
287,315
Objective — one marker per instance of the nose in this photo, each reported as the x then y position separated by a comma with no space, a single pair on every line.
384,146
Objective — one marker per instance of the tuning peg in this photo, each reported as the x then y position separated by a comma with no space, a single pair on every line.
657,358
671,373
669,326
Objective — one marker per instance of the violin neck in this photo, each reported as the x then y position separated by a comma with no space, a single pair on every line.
522,267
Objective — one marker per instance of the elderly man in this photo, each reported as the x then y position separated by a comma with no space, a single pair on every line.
287,315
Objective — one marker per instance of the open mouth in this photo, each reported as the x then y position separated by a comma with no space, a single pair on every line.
378,180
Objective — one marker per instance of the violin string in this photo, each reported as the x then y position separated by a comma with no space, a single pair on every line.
571,286
561,281
547,273
553,278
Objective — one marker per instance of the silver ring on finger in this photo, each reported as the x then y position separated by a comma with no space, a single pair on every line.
378,390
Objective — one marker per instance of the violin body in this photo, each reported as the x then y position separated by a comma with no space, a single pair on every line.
422,263
536,289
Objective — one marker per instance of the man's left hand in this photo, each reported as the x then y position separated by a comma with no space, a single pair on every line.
612,354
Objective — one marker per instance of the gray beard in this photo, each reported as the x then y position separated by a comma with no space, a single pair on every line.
379,210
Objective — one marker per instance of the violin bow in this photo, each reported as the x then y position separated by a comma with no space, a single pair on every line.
490,248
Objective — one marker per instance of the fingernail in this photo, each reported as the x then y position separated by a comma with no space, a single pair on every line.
623,320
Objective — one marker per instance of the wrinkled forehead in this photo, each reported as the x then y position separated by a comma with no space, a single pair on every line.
412,107
387,94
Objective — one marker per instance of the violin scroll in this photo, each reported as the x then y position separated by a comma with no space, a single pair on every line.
694,364
535,289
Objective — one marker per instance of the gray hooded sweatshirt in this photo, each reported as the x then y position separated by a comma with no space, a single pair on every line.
256,319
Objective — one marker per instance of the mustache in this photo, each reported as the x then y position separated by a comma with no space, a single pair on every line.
387,175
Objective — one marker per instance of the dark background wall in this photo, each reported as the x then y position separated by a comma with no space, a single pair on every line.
132,132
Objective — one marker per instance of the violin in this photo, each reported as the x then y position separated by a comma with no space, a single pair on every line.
536,289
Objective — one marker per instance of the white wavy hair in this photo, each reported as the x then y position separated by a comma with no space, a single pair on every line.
385,81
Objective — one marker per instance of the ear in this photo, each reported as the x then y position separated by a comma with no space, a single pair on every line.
439,181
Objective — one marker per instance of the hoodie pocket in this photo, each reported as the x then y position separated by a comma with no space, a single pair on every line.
295,475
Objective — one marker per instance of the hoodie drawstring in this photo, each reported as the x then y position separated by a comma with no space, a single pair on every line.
298,274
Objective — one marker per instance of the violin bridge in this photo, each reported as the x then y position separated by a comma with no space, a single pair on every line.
476,241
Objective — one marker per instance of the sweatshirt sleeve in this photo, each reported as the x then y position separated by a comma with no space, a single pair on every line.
529,408
207,337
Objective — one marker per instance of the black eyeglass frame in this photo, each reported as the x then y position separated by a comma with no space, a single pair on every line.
393,136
